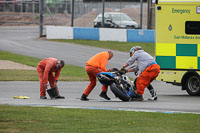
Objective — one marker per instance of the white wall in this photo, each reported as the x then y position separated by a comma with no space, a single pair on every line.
106,34
59,32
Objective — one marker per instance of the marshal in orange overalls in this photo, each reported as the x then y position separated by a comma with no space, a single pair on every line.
95,65
47,72
146,77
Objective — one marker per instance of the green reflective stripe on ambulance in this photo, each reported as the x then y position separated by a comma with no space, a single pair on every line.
166,61
186,49
198,62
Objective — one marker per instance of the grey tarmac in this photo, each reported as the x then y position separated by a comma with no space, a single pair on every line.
173,101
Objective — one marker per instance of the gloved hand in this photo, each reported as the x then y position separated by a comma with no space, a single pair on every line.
55,83
123,71
45,86
113,70
136,73
110,70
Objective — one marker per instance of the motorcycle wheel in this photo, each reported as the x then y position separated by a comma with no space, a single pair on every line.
119,92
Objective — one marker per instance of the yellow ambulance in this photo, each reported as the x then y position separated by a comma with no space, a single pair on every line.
177,38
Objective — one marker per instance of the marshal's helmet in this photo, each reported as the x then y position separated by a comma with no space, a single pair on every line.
133,49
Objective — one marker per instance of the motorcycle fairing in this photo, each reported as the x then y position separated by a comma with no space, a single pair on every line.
107,74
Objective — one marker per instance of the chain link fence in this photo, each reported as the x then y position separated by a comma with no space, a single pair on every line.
59,12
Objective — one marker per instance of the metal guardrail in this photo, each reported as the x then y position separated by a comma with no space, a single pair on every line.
59,12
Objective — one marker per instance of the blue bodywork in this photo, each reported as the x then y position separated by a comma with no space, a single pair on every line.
128,92
108,74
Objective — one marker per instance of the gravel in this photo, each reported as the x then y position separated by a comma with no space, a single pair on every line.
5,64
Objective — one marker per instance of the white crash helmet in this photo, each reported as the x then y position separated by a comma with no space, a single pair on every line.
133,49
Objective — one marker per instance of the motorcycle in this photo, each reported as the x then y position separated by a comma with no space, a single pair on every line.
120,85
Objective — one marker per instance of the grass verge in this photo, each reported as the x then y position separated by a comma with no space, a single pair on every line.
25,119
68,73
120,46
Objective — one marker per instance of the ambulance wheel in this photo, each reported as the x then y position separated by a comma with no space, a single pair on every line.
192,85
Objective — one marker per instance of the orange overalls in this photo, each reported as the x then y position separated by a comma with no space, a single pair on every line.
146,77
95,65
47,72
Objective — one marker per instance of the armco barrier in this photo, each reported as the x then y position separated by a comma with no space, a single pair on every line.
86,33
138,35
102,34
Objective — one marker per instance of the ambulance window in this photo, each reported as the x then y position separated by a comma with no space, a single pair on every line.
192,27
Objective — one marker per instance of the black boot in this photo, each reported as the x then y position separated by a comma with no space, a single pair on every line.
137,98
84,98
152,92
104,95
59,97
43,97
153,95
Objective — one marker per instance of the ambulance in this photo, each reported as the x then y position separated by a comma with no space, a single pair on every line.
177,43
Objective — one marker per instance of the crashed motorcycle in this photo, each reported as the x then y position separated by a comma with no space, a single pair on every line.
122,87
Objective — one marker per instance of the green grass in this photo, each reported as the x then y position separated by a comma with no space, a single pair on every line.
18,75
68,73
27,60
120,46
23,119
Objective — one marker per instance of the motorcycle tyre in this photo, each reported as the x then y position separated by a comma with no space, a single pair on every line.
118,92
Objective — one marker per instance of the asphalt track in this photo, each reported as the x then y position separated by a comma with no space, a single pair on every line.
24,40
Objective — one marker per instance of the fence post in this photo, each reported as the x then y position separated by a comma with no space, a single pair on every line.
72,14
33,10
149,16
141,12
41,16
103,6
